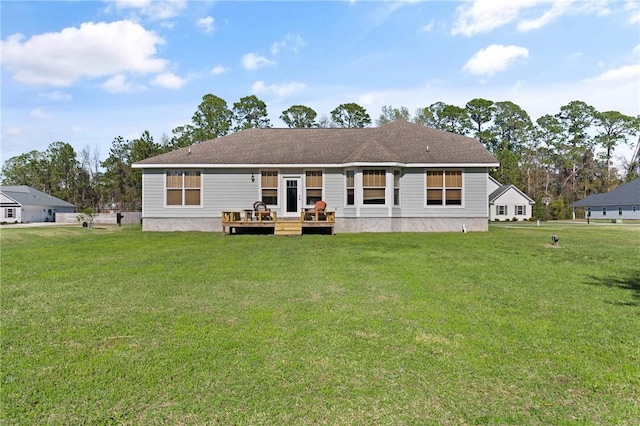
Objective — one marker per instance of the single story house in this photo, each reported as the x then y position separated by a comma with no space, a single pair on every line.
398,177
22,204
508,202
621,203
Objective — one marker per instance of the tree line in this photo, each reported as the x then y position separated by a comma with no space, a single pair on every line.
565,156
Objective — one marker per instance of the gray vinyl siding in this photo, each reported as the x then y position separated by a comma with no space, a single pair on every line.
474,192
221,190
334,191
232,189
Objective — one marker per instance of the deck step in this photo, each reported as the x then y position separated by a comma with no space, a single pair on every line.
288,228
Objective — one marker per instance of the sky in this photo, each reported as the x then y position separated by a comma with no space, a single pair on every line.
86,72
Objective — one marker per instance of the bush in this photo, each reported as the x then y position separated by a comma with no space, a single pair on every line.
87,217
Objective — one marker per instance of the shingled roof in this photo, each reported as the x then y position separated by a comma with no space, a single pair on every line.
625,195
28,196
398,142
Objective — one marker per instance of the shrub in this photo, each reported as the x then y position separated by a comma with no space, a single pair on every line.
87,217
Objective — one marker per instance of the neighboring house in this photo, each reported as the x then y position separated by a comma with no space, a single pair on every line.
398,177
508,202
621,203
21,203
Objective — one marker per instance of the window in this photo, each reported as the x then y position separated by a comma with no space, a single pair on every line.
501,210
9,213
351,199
313,184
521,210
604,211
183,188
619,211
633,209
444,188
374,183
269,185
396,187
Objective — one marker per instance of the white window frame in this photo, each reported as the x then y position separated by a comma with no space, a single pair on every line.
321,188
501,209
183,189
521,210
444,189
9,213
276,187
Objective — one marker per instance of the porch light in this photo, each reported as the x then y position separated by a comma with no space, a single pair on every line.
253,178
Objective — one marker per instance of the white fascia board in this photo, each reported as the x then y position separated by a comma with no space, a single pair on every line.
308,165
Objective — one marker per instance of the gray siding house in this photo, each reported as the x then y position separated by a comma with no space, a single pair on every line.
401,177
508,202
22,204
621,203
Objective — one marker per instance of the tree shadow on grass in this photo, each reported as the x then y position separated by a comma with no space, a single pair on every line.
630,282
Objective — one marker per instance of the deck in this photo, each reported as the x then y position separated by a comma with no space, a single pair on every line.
249,221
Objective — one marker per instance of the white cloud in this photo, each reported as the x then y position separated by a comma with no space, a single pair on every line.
428,27
622,75
169,81
482,16
218,69
92,51
279,90
154,9
293,41
494,58
39,113
206,24
117,84
557,10
251,61
277,46
56,96
632,8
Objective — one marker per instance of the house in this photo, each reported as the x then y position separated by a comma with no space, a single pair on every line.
621,203
507,202
398,177
21,204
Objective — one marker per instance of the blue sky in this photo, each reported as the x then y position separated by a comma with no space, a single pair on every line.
86,72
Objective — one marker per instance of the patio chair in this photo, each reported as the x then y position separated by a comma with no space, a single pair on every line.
261,211
317,212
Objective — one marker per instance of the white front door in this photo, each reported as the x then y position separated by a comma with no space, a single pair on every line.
292,196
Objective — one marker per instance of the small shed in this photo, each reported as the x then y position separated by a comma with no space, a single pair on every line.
508,202
621,203
22,203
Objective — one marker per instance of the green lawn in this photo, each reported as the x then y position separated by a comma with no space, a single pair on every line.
115,326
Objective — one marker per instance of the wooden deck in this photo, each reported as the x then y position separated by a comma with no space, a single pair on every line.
249,221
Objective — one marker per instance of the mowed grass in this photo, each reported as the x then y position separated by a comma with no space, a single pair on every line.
116,326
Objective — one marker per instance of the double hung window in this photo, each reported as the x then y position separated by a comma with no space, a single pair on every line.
444,187
374,183
313,185
184,188
269,186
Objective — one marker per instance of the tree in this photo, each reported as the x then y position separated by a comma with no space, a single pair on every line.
250,112
26,169
211,120
448,117
575,119
613,128
480,112
63,171
299,117
350,115
390,114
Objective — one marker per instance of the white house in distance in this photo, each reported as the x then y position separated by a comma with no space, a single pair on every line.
400,177
508,202
621,203
22,204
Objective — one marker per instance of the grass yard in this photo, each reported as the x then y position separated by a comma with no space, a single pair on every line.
115,326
